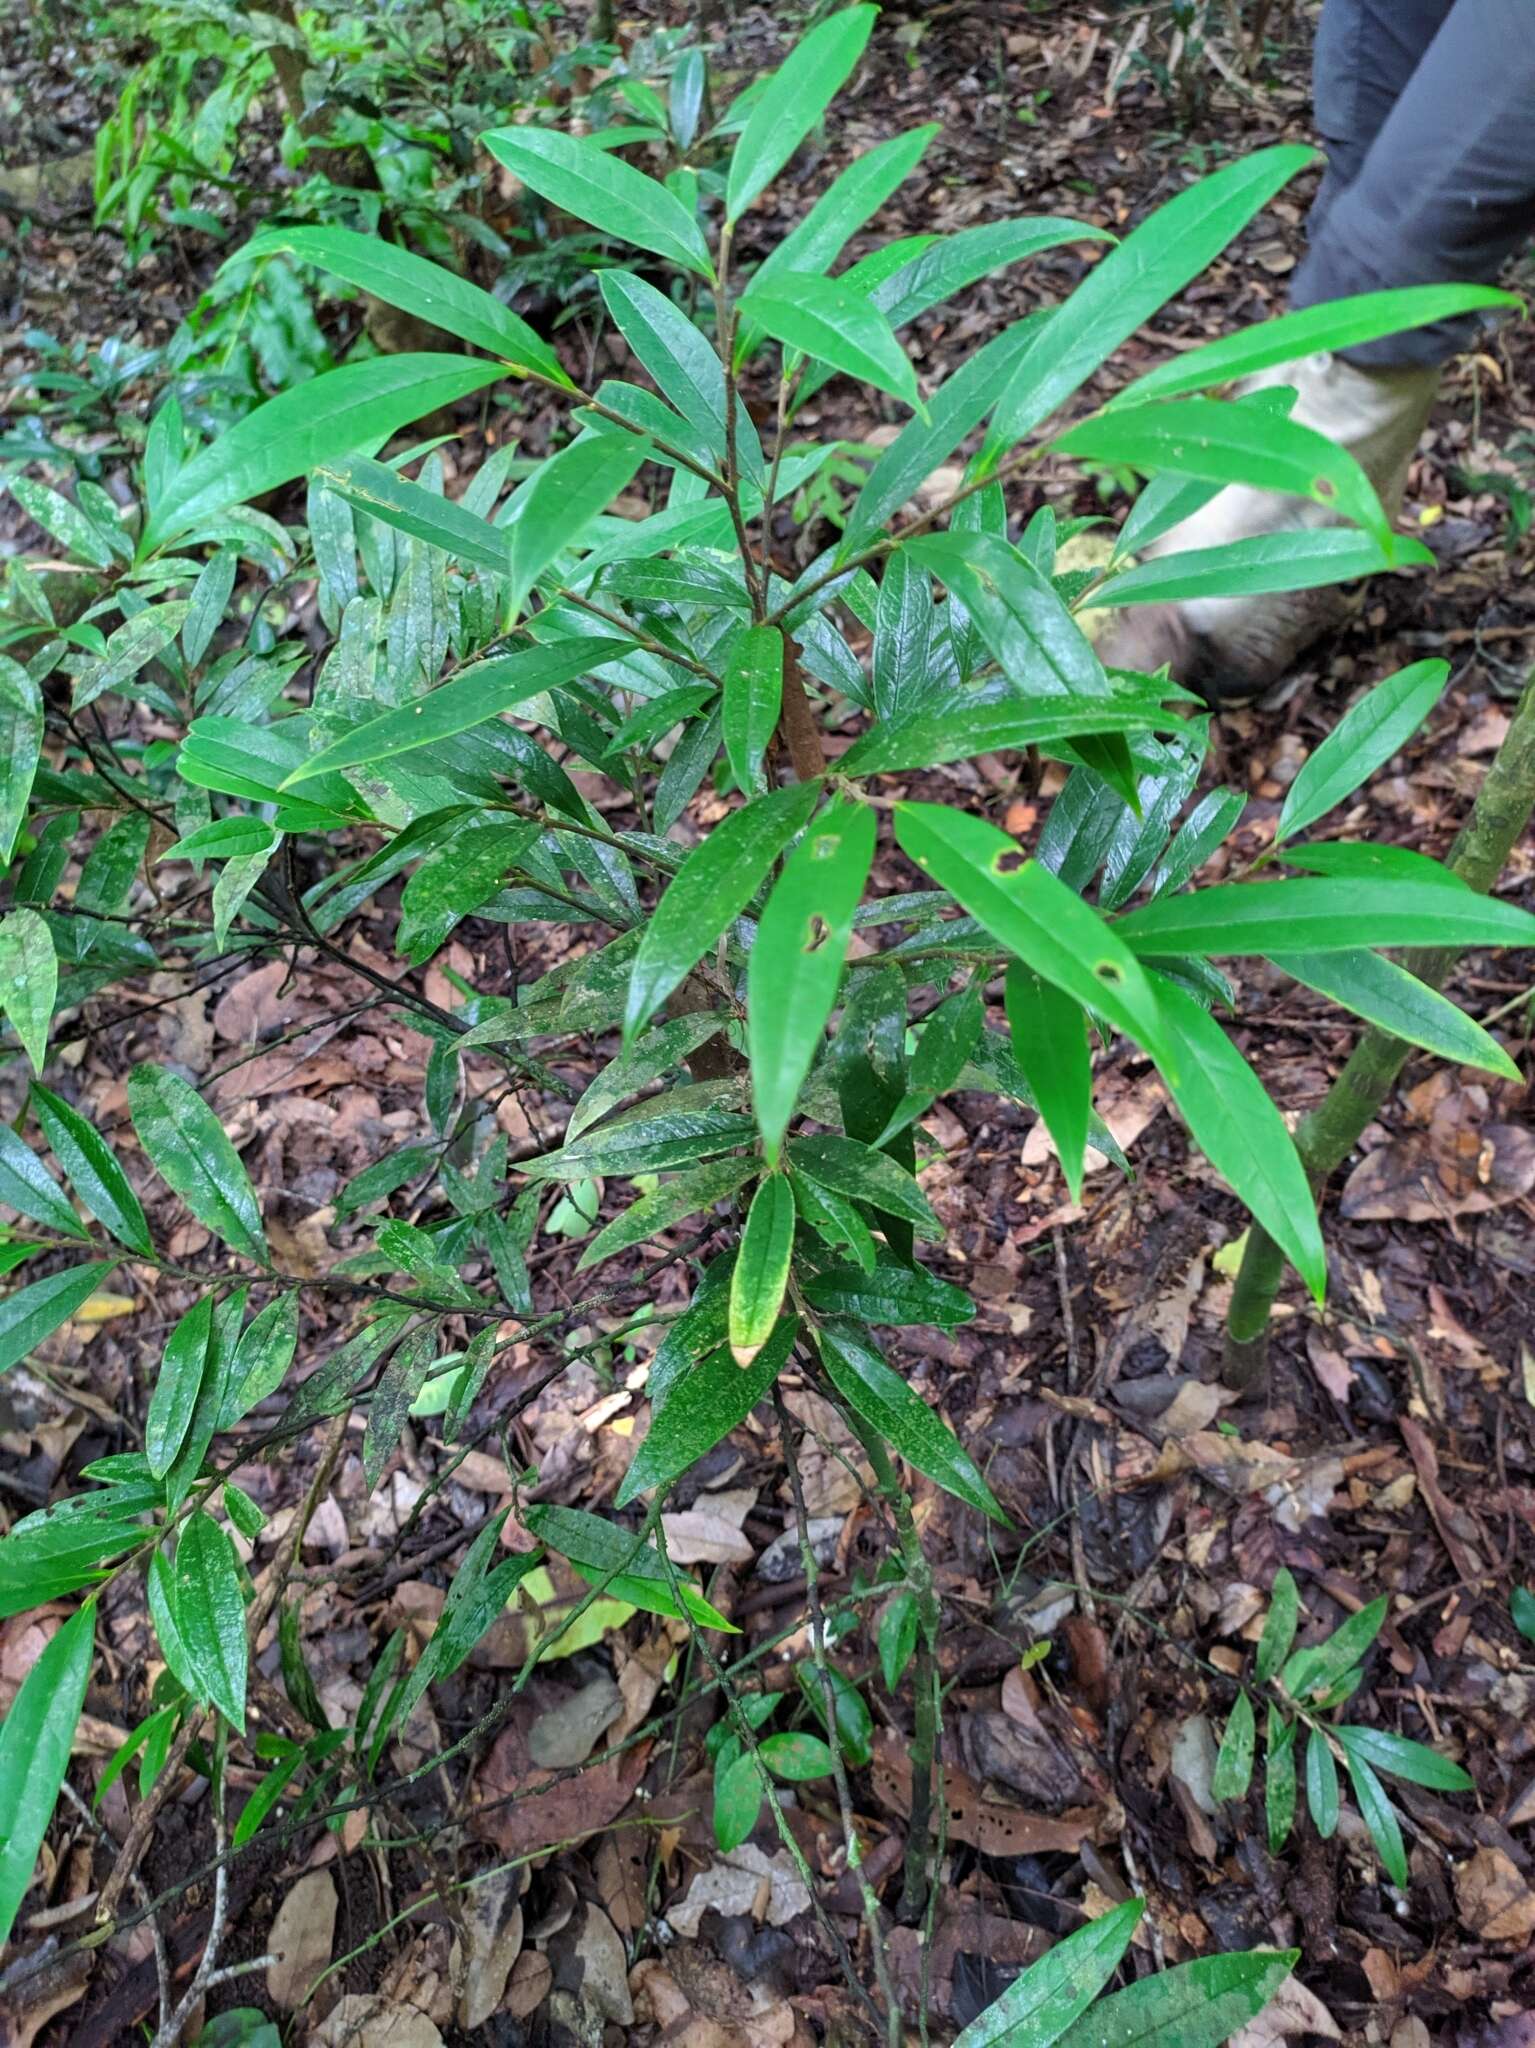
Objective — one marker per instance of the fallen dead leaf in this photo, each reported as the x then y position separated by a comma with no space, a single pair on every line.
301,1939
567,1733
366,2019
699,1536
492,1922
1292,2014
733,1884
987,1824
1493,1897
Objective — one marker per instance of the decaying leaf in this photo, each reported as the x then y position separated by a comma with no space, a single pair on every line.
734,1884
301,1938
1494,1898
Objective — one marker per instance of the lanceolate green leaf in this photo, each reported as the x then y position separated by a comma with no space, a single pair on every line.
1279,1626
752,695
887,1404
29,1314
1193,2005
563,498
796,964
684,366
35,1741
683,1195
416,286
92,1170
710,1398
1325,914
1240,1132
21,740
714,885
1379,1817
1384,993
761,1272
892,1293
1249,568
1034,915
375,488
1147,269
177,1385
210,1614
1364,739
1337,324
1049,1032
1234,1763
835,324
675,1129
186,1144
479,693
29,980
1322,1783
864,1175
926,738
602,190
30,1189
951,262
598,1550
1223,443
356,407
659,1052
791,103
1399,1756
1038,2006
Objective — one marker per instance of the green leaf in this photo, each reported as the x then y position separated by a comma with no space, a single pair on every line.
1278,1626
670,1130
737,1802
1040,2004
700,1409
1387,995
1327,914
262,1357
65,522
35,1742
897,1639
356,407
242,1511
1131,283
796,962
657,1053
562,498
1338,324
1034,915
928,738
797,1756
892,1293
833,323
32,1313
889,1406
92,1170
401,1381
597,1549
1364,739
1379,1817
604,191
1321,1783
1218,442
1521,1607
1193,2005
761,1275
1314,1670
903,671
791,102
684,1195
29,980
685,368
476,694
752,695
1250,568
21,743
130,648
177,1385
1030,633
210,1614
951,262
375,488
1370,863
864,1175
415,286
1236,1126
186,1144
1234,1762
30,1189
854,1723
1049,1034
711,889
1401,1757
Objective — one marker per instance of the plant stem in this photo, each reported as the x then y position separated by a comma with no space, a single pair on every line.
923,1751
1328,1133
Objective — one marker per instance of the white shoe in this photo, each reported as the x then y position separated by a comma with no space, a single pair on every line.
1239,645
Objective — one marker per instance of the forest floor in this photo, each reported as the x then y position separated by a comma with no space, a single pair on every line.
1393,1449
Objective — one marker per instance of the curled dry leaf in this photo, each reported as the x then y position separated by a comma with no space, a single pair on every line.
733,1884
1293,2014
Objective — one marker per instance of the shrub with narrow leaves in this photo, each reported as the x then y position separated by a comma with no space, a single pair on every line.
759,1084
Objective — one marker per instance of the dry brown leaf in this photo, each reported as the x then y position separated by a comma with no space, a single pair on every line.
1292,2014
734,1883
698,1536
529,1987
301,1939
365,2019
566,1733
1493,1897
492,1921
983,1823
1457,1167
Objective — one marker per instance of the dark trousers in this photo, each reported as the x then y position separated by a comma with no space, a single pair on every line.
1427,111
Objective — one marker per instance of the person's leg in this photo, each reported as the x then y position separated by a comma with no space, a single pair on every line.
1443,192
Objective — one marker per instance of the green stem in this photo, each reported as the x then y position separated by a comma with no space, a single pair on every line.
1328,1133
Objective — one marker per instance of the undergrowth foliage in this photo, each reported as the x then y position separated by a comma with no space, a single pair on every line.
759,1083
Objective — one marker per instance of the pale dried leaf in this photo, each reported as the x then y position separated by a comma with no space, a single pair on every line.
301,1938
